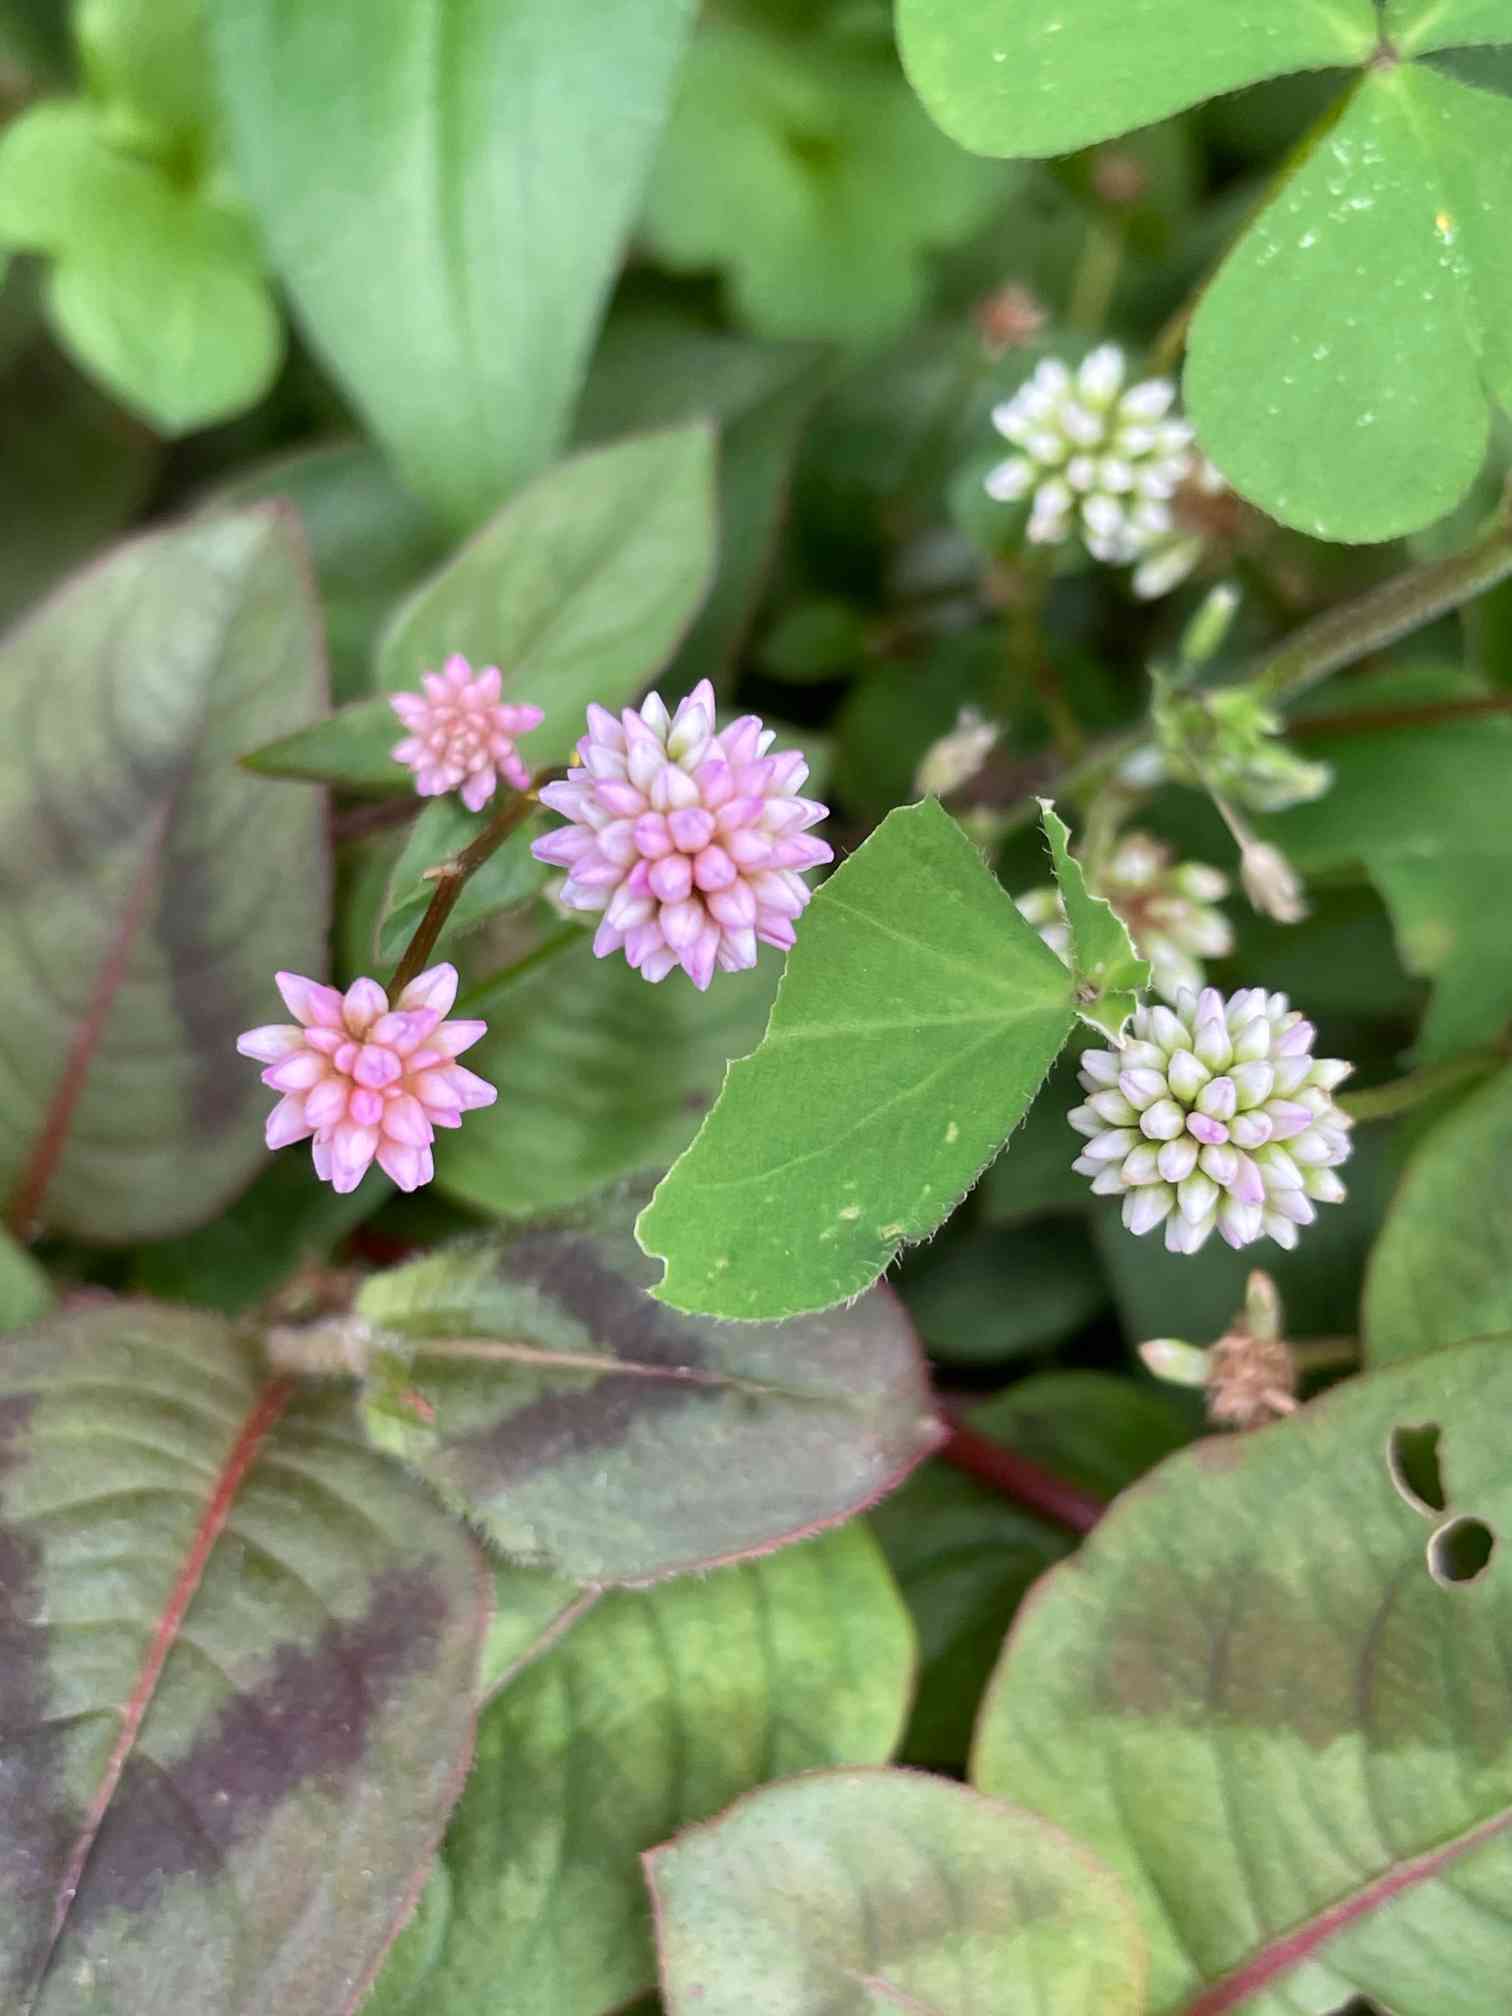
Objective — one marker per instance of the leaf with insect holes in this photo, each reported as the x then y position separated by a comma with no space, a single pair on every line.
580,589
446,191
239,1654
587,1429
1225,1695
147,887
1107,970
887,1890
645,1711
1441,1270
916,1020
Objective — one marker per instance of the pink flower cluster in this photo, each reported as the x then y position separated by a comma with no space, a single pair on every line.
462,733
365,1081
691,842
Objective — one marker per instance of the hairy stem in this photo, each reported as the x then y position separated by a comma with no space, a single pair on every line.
452,878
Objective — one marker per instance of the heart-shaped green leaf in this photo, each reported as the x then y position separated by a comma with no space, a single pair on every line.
143,919
655,1709
1441,1271
428,188
240,1653
916,1020
591,1431
598,1074
1027,77
1342,359
1225,1695
882,1890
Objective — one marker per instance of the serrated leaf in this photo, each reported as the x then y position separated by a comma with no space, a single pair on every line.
599,1075
239,1653
156,293
965,1556
1107,970
146,923
652,1712
509,877
431,203
916,1020
1006,77
589,1431
1417,25
806,172
877,1890
1441,1271
580,589
1225,1696
1396,221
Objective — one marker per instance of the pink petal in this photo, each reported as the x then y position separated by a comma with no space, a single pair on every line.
479,788
327,1102
295,1074
352,1150
376,1066
434,990
286,1123
404,1121
452,1038
308,1001
408,1167
272,1041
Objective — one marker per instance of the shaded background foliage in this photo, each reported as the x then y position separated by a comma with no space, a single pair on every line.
635,344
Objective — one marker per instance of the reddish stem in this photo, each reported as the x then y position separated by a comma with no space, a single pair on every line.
1022,1480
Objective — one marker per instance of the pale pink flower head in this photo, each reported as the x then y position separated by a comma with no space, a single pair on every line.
462,733
692,843
365,1082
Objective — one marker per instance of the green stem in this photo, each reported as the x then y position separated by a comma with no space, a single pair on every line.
1097,273
1401,1095
452,878
485,996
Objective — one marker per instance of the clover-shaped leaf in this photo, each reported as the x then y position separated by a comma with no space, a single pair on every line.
1343,362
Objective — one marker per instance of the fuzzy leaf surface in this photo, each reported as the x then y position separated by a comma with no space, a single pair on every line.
1108,971
592,1431
239,1651
448,237
916,1020
1225,1696
1441,1271
654,1711
143,918
1007,77
867,1891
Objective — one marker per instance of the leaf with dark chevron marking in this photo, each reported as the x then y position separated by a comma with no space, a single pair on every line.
238,1661
149,887
592,1430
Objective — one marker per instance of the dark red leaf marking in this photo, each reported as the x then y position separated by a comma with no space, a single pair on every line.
255,1430
1291,1948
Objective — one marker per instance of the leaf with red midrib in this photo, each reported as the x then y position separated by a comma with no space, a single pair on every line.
238,1660
1249,1694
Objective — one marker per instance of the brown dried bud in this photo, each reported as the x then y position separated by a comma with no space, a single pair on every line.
1252,1374
1009,318
1118,176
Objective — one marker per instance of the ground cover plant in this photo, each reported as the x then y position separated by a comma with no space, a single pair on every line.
756,1007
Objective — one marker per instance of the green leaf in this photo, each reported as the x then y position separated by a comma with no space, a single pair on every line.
508,878
148,63
145,929
580,589
1418,25
916,1020
25,1291
1396,221
965,1557
370,540
591,1432
155,292
1226,1696
1441,1271
654,1711
878,1890
998,1292
1107,970
1006,77
446,191
599,1075
806,171
239,1651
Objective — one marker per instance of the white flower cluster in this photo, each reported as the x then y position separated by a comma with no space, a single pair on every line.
1102,463
1214,1116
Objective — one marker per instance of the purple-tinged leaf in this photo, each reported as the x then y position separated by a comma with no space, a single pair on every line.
1270,1691
854,1891
591,1430
238,1661
148,888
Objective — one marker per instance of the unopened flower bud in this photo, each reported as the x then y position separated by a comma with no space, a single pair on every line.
957,757
1175,1361
1272,885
